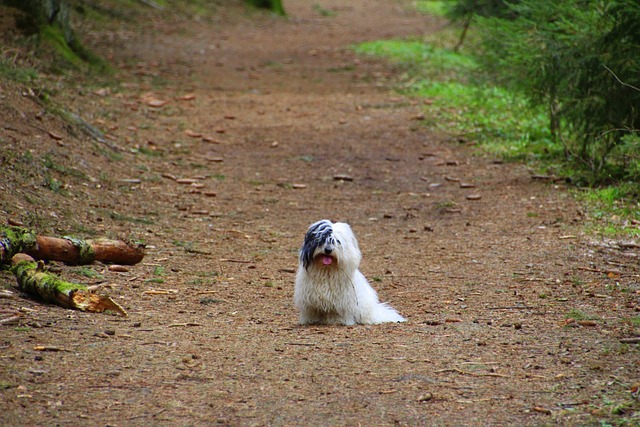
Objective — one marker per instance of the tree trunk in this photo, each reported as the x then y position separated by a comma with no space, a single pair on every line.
77,251
14,240
47,12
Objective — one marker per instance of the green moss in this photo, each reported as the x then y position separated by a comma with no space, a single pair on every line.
15,240
71,54
42,284
86,254
53,36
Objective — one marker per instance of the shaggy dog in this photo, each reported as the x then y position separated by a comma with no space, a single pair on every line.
329,287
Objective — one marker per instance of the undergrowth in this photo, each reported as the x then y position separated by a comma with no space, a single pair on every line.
460,101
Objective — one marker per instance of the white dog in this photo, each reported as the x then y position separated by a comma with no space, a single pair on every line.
329,287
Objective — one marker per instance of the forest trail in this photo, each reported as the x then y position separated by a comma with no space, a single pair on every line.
237,134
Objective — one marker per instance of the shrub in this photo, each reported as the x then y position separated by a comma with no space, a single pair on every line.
578,59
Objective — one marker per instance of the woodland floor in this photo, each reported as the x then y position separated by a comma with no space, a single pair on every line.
515,313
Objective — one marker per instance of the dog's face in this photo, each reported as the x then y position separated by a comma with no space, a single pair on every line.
330,245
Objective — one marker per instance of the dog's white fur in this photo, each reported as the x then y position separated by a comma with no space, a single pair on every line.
329,287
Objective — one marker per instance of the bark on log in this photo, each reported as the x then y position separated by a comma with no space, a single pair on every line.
77,251
14,240
50,288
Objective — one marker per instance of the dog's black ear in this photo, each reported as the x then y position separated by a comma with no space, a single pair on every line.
316,235
306,255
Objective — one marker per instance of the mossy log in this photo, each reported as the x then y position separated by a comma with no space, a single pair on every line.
33,280
14,240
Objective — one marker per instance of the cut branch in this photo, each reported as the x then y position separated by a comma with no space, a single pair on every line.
33,280
70,250
77,251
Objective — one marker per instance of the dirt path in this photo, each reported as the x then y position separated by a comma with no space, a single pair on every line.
280,108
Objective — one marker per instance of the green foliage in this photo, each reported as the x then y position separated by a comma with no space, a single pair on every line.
425,59
614,208
274,5
432,7
466,10
578,60
508,124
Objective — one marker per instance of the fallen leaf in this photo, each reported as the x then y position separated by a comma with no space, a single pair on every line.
541,410
210,140
55,136
425,397
102,92
156,103
587,323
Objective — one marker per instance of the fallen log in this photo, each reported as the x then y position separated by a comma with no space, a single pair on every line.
70,250
78,251
33,280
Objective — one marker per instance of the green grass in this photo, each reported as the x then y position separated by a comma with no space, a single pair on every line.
432,7
322,11
9,71
88,272
577,314
126,218
425,60
613,209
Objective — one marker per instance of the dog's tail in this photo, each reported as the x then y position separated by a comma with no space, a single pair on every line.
385,313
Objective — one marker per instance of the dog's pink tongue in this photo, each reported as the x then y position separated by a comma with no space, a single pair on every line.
326,259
